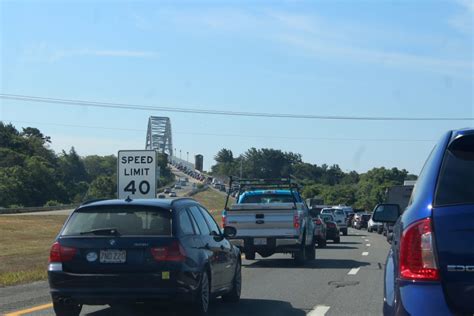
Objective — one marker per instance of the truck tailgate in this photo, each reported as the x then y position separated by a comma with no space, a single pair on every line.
256,219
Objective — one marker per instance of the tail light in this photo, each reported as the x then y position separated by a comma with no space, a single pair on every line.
417,253
60,253
174,252
331,225
318,222
224,218
296,221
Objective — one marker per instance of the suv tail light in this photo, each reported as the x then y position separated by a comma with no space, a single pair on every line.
317,221
296,221
173,252
417,253
331,225
60,253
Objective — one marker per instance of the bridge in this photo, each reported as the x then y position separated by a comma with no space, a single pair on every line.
159,137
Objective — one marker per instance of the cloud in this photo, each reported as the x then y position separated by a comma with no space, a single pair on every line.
60,54
312,35
464,20
43,52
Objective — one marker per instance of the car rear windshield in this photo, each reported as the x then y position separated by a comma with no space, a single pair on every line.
123,220
339,212
365,217
455,183
267,198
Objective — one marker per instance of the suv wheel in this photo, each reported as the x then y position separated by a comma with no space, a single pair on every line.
63,309
322,243
300,255
344,232
234,295
201,303
337,240
311,251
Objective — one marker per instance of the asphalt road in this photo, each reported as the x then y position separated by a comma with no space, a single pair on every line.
346,279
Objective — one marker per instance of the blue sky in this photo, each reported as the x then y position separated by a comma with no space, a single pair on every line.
352,58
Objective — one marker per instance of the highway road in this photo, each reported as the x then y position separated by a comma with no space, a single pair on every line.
346,279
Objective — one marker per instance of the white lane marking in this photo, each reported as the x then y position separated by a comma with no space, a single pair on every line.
353,271
319,310
365,253
368,245
366,240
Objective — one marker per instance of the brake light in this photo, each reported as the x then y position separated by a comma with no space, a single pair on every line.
224,218
331,225
60,253
174,252
296,221
417,254
318,221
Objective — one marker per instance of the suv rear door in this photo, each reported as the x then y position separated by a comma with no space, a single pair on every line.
453,217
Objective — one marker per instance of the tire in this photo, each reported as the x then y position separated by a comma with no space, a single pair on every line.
369,230
234,295
250,255
203,296
311,251
62,309
322,243
344,232
337,240
300,256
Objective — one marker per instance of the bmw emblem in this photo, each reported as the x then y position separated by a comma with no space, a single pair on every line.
92,256
112,242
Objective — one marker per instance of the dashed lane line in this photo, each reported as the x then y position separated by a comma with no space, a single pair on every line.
365,253
353,271
319,310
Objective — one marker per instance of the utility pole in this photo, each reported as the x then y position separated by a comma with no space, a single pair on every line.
180,154
187,156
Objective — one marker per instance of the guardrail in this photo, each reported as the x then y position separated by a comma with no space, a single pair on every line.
20,210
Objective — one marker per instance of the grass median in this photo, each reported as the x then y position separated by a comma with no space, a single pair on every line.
213,200
25,241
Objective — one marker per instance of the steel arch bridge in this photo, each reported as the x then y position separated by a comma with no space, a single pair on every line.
158,135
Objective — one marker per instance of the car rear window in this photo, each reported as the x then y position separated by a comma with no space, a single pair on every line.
125,220
267,198
339,212
366,217
455,182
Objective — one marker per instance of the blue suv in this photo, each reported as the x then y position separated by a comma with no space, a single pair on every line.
430,266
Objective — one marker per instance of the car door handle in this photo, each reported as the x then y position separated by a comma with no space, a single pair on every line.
222,247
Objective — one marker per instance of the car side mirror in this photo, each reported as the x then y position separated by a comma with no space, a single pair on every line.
386,213
230,232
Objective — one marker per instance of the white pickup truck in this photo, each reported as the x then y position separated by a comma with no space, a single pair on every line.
271,217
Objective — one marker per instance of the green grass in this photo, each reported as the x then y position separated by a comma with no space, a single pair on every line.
24,246
212,200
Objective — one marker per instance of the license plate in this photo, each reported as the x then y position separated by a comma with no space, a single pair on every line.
259,241
113,256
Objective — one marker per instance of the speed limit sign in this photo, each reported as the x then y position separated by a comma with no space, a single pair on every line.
136,174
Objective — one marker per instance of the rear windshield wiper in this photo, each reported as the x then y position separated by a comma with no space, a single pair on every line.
102,231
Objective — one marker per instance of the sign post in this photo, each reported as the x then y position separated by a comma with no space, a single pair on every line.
136,174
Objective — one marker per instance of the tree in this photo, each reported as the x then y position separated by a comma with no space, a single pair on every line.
103,187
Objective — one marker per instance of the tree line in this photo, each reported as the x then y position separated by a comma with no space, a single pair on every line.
331,183
32,174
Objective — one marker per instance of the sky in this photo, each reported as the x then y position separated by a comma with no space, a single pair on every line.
390,58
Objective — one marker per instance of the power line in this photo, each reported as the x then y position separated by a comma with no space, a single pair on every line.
16,97
230,135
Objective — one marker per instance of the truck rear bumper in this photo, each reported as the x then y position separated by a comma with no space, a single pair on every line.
273,244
